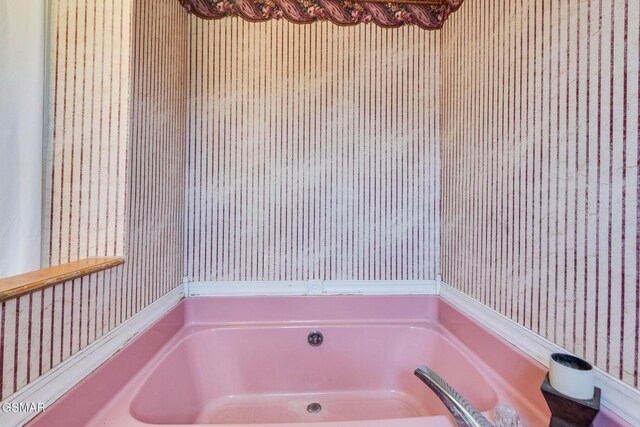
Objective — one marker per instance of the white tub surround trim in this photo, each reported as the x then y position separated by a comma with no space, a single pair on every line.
618,397
52,385
313,287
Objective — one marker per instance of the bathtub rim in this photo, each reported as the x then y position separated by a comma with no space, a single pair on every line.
605,414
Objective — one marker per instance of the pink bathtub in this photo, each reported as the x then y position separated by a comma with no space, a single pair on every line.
244,361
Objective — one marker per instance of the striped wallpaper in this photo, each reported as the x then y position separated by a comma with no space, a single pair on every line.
118,140
313,152
157,152
87,116
539,169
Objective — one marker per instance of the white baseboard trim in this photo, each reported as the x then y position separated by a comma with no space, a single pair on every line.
52,385
620,398
313,287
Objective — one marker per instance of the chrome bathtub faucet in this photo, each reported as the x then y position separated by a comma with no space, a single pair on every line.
463,412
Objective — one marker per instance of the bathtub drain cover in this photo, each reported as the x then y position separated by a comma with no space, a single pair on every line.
315,338
314,408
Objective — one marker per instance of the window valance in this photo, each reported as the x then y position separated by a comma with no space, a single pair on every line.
427,14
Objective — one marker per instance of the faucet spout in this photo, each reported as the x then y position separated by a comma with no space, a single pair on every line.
463,412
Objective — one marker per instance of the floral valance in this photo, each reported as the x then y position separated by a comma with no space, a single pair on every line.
427,14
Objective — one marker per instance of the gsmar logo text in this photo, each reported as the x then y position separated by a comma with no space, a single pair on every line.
22,407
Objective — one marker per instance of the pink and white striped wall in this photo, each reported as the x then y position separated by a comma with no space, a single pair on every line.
87,124
539,170
115,178
313,152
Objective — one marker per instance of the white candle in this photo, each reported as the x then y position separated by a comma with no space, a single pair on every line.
571,376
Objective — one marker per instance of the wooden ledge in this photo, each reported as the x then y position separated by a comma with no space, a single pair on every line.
15,286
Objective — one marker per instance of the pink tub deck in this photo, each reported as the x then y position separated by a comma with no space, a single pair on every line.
244,361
